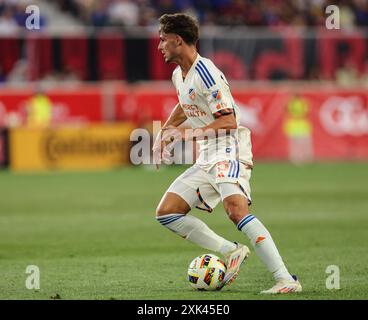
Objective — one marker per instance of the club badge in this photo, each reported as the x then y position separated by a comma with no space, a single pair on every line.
192,94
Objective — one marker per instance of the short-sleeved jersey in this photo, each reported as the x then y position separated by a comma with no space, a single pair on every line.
204,95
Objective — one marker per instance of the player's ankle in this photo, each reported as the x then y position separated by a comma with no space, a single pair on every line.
227,247
282,276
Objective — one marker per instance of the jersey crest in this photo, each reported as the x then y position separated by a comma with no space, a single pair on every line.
216,94
192,94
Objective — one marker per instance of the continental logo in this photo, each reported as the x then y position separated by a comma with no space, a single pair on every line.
56,147
99,146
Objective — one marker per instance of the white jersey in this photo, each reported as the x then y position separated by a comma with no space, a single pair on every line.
204,95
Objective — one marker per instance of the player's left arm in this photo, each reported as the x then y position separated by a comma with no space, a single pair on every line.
224,123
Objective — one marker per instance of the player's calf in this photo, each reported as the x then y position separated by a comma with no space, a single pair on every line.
195,230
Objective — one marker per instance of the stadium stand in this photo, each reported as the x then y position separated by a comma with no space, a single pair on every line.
102,13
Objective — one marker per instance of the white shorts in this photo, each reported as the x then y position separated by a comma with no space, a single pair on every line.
204,190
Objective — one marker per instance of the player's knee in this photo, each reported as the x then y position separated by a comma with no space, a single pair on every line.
171,203
164,209
235,209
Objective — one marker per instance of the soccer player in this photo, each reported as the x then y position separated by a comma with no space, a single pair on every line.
223,168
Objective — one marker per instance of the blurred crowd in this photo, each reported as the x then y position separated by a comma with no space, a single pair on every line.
217,12
129,13
102,13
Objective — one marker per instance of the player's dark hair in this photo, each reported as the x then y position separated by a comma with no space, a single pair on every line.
181,24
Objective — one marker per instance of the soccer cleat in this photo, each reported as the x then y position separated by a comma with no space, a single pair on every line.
285,286
233,261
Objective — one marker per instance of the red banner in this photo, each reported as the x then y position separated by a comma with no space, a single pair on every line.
68,106
301,125
142,105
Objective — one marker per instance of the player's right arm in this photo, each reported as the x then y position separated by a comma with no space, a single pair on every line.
176,118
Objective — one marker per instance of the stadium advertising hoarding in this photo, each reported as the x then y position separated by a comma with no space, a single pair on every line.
286,123
99,146
311,124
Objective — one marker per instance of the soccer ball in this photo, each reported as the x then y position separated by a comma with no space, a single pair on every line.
206,272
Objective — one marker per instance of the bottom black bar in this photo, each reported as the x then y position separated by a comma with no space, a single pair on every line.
189,309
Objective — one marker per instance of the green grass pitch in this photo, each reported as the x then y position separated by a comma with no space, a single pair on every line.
93,234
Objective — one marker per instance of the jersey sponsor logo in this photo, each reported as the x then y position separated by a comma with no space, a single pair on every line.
192,111
192,94
216,94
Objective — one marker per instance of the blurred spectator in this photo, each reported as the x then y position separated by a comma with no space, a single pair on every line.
39,110
20,15
165,6
298,128
360,8
8,24
234,13
347,17
148,16
123,12
99,16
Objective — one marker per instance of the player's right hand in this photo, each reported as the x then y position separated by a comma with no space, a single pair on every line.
159,151
160,155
